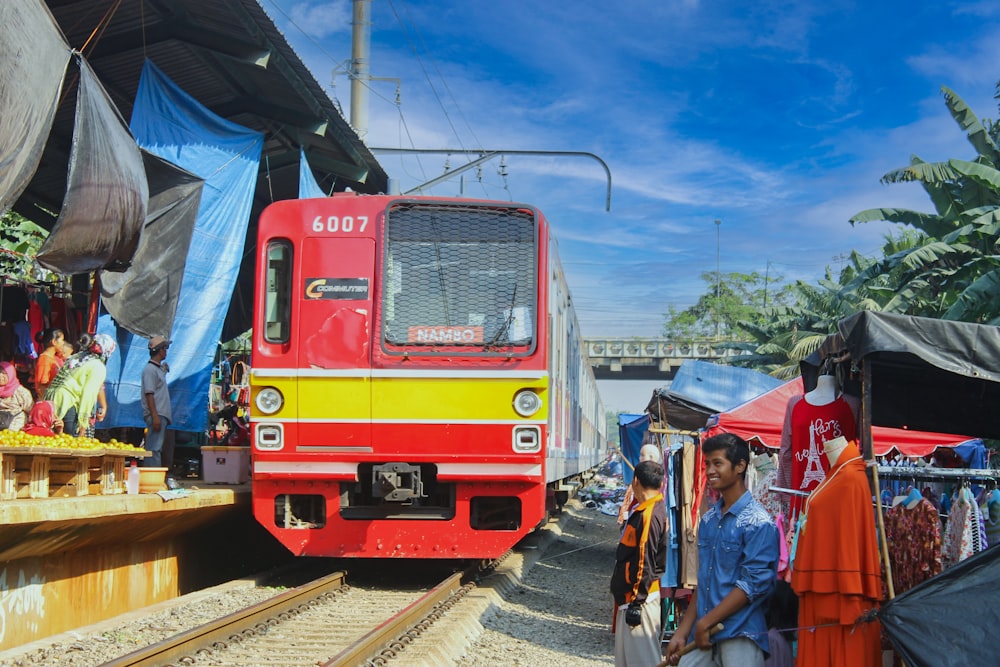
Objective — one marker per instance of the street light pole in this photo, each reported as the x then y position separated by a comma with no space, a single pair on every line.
718,273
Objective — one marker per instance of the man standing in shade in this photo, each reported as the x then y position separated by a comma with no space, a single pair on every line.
640,561
156,399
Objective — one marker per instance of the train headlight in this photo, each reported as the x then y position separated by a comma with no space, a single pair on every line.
269,400
526,402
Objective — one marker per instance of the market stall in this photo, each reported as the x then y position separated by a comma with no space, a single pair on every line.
926,374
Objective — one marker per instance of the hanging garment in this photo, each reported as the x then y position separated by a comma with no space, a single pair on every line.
837,574
980,527
991,517
688,538
807,427
773,502
915,544
961,531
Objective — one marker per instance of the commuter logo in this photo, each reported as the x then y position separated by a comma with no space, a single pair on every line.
345,289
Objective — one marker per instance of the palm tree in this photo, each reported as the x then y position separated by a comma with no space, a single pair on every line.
953,272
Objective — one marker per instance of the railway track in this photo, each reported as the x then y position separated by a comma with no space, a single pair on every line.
324,622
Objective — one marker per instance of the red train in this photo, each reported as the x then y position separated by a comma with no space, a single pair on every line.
419,384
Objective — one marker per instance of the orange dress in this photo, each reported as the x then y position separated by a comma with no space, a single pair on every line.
836,573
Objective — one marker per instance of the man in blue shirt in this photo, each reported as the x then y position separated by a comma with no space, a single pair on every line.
737,568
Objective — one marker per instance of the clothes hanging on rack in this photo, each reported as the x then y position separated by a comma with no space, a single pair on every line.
962,536
837,574
773,502
990,507
915,543
688,517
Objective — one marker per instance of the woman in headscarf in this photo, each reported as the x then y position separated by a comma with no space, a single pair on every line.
15,399
51,358
78,385
43,420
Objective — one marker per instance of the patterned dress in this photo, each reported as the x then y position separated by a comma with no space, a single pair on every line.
914,537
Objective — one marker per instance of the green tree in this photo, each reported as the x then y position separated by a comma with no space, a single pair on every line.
730,305
954,271
20,240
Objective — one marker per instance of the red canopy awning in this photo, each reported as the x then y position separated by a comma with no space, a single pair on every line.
762,418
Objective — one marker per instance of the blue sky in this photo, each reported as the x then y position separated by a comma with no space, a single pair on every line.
777,118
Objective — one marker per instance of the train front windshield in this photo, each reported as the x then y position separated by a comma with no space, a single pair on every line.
460,276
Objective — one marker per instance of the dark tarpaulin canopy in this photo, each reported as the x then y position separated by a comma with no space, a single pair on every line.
34,55
928,374
143,298
948,620
105,203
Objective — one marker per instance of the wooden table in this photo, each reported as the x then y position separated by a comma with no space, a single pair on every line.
44,472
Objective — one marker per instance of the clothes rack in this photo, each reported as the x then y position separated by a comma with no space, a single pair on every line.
930,474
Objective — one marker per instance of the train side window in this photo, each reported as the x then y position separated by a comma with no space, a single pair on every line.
278,292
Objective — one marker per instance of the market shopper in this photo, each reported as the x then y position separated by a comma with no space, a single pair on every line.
156,400
79,385
15,399
51,359
737,568
640,561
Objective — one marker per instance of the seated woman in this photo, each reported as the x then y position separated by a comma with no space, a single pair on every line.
15,399
43,420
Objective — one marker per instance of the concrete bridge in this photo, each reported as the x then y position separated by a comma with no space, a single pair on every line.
649,358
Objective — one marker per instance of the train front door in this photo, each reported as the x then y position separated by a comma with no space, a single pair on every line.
334,342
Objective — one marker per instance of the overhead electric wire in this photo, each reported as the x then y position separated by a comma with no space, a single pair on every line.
430,83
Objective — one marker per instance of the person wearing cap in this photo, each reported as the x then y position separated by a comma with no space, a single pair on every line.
77,387
156,400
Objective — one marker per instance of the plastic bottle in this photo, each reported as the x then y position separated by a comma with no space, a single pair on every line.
132,483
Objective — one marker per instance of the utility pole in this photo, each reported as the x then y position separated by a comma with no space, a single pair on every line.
718,274
767,274
360,70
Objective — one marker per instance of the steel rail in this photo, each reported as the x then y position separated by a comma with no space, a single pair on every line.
220,630
399,627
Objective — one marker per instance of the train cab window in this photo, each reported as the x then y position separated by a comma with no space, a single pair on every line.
461,276
278,292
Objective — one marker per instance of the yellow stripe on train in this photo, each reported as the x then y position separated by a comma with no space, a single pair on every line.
413,398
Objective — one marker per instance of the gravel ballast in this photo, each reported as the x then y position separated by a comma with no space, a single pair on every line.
560,614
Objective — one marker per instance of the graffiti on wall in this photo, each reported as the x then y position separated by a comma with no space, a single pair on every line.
22,602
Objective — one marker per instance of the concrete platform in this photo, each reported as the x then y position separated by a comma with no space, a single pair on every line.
68,562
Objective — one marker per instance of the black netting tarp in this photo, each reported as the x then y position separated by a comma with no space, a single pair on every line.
143,299
105,203
948,620
34,56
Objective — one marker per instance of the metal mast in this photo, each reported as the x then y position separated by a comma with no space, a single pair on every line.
360,70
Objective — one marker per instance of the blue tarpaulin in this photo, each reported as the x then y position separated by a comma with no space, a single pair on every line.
169,123
632,434
701,389
308,187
